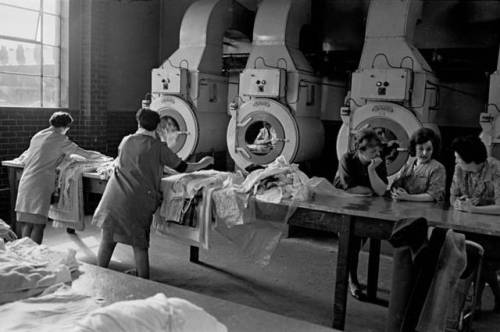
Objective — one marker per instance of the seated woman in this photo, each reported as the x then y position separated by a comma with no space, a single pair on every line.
476,189
423,178
364,172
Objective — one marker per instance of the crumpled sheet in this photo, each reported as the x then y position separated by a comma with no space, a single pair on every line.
156,313
170,219
243,216
27,269
279,180
58,308
69,211
61,309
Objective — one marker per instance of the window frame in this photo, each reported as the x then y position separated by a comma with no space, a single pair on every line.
63,63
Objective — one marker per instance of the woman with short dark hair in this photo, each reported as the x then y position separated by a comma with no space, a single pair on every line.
362,171
476,182
47,148
132,194
476,189
422,178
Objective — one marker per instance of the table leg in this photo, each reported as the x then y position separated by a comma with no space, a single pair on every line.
373,269
342,276
194,254
13,196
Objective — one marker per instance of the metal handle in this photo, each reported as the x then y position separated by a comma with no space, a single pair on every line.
243,124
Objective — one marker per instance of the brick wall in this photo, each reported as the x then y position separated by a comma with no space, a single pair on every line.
119,124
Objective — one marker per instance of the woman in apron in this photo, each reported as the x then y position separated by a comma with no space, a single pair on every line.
132,195
47,148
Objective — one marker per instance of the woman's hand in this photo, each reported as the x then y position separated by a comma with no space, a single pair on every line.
399,194
374,163
463,204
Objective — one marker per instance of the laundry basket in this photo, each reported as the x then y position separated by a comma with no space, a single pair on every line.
463,302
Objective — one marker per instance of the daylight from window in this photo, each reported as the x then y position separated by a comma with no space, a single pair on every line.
30,48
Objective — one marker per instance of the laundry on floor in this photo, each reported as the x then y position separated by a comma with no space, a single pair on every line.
27,269
60,308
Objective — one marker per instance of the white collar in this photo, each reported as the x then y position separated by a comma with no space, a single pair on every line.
143,131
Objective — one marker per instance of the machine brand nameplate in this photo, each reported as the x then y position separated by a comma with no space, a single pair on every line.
382,108
168,100
261,103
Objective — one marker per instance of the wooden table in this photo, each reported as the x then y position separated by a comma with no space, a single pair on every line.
374,218
92,183
113,286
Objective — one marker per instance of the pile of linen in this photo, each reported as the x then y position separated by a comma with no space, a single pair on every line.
27,269
186,210
68,210
62,309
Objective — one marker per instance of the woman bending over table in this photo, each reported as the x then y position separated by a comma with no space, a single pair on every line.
423,178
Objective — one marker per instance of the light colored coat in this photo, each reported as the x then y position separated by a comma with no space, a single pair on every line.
47,148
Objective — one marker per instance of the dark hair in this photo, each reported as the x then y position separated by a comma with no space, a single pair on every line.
365,136
60,119
422,136
470,149
148,119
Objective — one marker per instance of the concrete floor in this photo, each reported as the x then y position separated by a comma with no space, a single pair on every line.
299,281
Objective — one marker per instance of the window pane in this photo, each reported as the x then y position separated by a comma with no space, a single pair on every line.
16,57
52,6
51,30
51,92
16,90
50,61
32,4
21,23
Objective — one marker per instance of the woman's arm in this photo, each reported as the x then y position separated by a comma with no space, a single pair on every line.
377,184
203,163
486,209
402,195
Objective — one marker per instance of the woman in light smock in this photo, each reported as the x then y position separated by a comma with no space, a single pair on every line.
132,194
47,148
423,178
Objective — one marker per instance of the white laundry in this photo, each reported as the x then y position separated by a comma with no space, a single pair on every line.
27,269
179,193
56,310
156,313
41,255
68,211
4,228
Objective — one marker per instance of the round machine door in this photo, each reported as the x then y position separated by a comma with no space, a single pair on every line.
260,131
394,125
181,123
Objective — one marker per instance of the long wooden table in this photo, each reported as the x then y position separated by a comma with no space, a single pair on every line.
112,286
349,217
374,218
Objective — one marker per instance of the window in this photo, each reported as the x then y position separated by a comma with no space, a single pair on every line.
30,53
